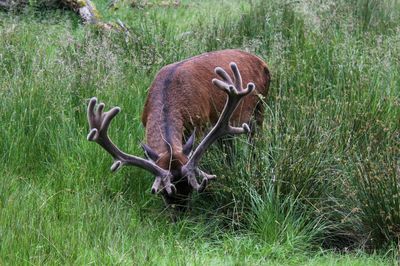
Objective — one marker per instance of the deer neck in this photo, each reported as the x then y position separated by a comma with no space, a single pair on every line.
164,132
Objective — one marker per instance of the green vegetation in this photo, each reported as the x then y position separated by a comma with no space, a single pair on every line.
321,184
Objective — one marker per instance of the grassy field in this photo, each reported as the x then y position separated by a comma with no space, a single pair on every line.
320,187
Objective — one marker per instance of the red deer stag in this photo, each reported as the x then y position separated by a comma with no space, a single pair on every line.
182,99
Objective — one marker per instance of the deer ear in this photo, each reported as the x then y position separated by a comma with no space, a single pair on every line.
150,154
188,147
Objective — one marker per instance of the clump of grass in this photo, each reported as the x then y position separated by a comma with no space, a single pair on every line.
376,190
282,223
333,101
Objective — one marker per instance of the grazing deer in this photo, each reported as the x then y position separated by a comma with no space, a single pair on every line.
182,98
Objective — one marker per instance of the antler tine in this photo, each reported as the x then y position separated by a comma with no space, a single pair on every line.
235,93
237,76
206,177
222,73
163,184
99,121
108,116
168,186
156,185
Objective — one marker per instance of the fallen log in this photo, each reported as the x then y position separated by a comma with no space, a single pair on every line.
86,9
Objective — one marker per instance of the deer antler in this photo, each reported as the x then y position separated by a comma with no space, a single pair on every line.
99,121
235,93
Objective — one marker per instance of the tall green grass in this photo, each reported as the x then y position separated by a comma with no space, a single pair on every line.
323,172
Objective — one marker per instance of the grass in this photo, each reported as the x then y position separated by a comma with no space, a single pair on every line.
320,186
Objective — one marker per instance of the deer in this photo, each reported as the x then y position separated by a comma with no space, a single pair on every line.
188,96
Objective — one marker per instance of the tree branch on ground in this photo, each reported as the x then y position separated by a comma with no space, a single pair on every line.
86,9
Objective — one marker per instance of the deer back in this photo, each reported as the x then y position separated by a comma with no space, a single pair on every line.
182,96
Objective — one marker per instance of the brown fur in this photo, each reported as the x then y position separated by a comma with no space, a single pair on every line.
182,98
184,90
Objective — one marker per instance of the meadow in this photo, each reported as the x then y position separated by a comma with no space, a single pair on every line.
320,185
